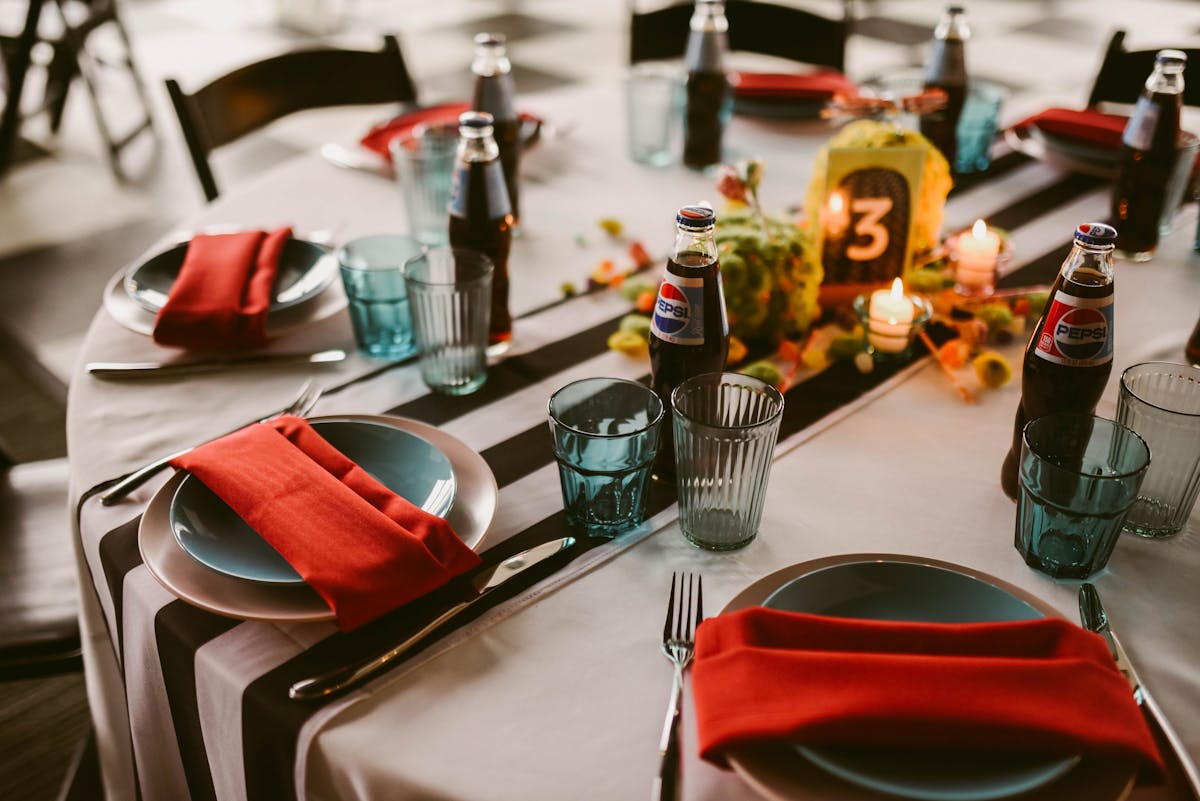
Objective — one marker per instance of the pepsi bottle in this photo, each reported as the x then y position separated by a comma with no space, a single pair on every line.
947,70
689,332
1069,356
480,214
707,87
495,94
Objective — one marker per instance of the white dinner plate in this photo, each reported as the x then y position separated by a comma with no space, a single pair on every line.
140,320
216,537
471,516
305,270
1063,153
835,586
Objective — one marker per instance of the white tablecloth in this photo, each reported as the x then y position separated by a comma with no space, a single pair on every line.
559,694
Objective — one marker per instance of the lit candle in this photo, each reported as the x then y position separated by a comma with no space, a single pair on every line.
837,216
890,318
977,255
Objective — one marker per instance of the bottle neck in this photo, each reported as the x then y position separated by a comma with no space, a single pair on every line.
953,27
1166,79
491,59
695,244
476,144
709,17
1096,261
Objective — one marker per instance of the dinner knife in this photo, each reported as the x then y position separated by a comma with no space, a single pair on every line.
159,369
1182,773
481,584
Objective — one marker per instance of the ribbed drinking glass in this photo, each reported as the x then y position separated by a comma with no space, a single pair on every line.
450,291
726,425
1161,402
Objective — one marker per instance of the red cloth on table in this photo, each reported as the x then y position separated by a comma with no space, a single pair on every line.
222,294
1086,125
380,137
820,85
362,547
1038,685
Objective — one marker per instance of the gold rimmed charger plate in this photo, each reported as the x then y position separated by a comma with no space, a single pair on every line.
471,517
779,773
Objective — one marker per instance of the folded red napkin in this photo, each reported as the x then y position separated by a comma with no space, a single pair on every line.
380,137
222,294
1086,125
362,547
820,85
1039,685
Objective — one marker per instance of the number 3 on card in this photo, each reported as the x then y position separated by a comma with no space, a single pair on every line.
873,210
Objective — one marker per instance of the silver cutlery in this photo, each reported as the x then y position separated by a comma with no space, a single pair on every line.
161,369
310,393
481,584
1094,618
678,643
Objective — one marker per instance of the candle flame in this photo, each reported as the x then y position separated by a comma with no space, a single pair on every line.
979,229
897,289
837,203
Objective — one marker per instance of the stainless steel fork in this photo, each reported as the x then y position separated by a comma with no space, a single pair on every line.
678,643
310,393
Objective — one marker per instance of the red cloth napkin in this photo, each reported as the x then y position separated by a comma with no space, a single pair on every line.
222,294
1086,125
380,137
362,547
1038,685
820,85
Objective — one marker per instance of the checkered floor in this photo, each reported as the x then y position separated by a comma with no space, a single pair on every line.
65,225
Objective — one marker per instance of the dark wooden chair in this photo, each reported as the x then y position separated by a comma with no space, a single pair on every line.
1123,73
250,97
771,30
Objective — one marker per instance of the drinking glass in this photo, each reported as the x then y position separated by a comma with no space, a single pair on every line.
373,275
451,294
653,95
1161,402
605,438
977,126
424,163
726,425
1186,148
1079,476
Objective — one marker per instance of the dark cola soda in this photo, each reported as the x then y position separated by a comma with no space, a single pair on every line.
480,214
496,94
1069,357
707,88
689,330
947,70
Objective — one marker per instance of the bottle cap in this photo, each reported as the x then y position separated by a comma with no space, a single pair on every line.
489,39
695,216
1096,234
477,120
956,9
1171,57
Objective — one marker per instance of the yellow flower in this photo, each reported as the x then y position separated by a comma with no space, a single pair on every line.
992,369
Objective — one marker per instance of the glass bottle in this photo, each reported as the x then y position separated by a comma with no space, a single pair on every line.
689,330
707,87
1148,158
480,214
1192,351
947,70
496,95
1069,357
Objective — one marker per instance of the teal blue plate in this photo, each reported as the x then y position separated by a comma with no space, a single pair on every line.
881,590
213,534
305,270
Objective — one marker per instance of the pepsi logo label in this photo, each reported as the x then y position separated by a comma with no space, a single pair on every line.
679,311
1078,331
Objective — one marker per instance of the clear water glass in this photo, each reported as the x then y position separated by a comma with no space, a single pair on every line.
373,276
977,124
1161,402
1186,148
424,163
1079,476
451,294
605,438
653,113
726,425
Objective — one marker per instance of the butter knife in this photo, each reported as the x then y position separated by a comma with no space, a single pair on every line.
160,369
481,584
1182,773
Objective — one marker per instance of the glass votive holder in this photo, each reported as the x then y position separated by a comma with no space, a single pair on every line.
978,255
888,336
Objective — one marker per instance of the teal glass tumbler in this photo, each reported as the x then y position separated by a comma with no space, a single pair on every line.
725,429
605,438
1079,476
1161,402
450,290
977,126
377,297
